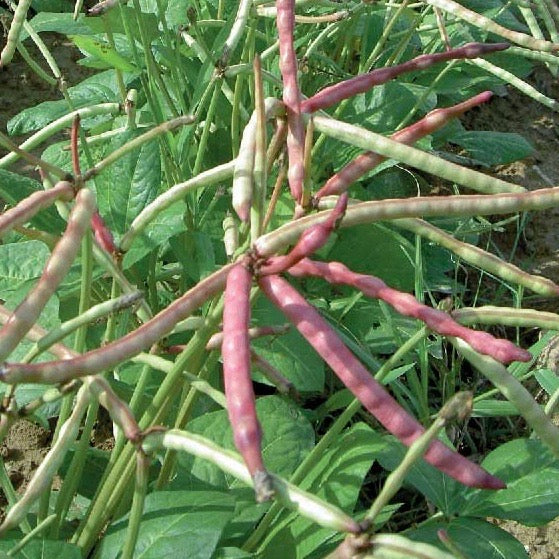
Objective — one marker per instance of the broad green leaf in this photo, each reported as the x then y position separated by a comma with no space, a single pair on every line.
532,500
493,148
102,51
58,22
232,553
42,549
287,437
369,250
196,254
14,188
290,354
169,222
100,88
127,186
493,408
474,537
20,265
174,523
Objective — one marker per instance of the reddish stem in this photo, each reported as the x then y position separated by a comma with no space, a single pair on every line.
239,394
103,234
370,393
360,84
406,304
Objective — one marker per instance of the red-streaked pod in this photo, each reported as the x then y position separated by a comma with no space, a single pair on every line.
28,207
100,359
235,350
28,311
367,161
360,84
406,304
314,238
102,233
291,97
370,393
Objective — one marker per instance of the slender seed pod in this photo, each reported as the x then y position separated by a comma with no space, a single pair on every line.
506,316
291,97
235,350
289,495
236,32
360,84
28,207
367,161
102,233
42,477
13,34
487,24
382,210
480,258
515,393
370,393
28,311
230,236
406,304
365,139
310,241
97,360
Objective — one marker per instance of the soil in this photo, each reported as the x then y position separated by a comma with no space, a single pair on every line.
538,250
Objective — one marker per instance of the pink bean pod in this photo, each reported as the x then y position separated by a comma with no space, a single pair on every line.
102,233
310,241
406,304
367,161
291,97
360,84
33,204
370,393
235,350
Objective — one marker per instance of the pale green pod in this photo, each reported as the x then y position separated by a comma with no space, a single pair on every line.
237,30
480,258
28,311
394,546
230,236
13,34
175,194
289,495
516,82
487,24
60,124
382,210
514,392
370,141
44,474
506,316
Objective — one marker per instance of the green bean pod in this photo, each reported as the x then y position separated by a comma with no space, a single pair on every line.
13,34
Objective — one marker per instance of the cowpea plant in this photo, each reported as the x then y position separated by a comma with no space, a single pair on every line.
172,186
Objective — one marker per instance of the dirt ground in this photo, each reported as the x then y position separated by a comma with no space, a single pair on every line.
538,250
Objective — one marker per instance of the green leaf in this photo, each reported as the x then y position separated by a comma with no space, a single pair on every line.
531,473
156,233
175,522
100,88
493,408
287,437
127,186
20,265
290,354
15,188
474,537
102,51
493,148
42,549
548,380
